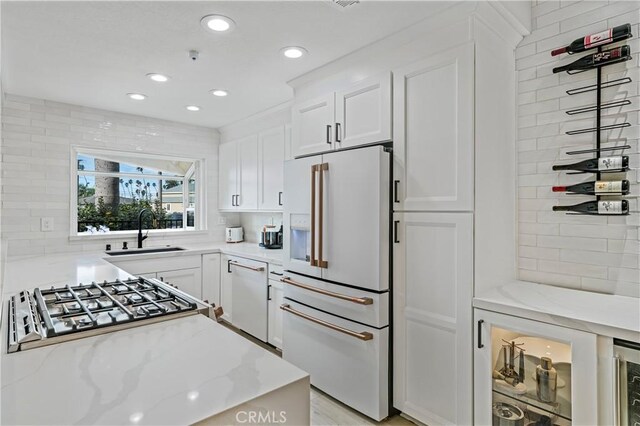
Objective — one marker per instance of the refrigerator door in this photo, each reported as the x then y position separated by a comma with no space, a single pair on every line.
355,217
297,223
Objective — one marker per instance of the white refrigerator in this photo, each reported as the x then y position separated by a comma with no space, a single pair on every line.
336,305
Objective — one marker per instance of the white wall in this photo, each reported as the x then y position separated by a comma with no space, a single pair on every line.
592,253
36,140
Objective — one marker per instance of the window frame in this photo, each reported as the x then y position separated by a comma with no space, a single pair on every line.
197,171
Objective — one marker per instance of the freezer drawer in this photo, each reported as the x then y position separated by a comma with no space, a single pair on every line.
358,305
350,369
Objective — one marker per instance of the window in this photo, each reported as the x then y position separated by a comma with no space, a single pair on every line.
112,188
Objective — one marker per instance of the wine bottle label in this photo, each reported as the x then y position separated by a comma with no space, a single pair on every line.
598,39
609,186
610,163
607,55
609,207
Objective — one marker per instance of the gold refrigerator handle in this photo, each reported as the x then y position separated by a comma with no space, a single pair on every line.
358,300
365,335
312,260
321,168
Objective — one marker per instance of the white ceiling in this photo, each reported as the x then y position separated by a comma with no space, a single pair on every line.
93,53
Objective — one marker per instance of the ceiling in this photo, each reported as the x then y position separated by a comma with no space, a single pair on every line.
92,53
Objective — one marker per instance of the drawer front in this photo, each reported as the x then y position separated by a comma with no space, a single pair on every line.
357,305
349,369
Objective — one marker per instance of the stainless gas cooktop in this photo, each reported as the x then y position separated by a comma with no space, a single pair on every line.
48,316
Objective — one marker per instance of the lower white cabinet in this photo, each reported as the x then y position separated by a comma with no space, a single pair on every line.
275,292
226,289
433,289
211,278
573,354
187,280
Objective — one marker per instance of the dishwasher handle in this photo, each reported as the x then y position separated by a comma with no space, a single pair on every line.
240,265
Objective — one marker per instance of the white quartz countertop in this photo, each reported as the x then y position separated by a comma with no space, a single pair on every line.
603,314
178,371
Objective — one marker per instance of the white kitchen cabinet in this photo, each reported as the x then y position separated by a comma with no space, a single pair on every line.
226,290
227,176
433,136
211,278
358,115
275,293
187,280
575,357
238,174
363,113
433,287
312,125
271,152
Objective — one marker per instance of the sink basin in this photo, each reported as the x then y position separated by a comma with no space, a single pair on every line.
144,251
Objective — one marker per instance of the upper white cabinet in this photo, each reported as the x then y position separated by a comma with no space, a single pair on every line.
238,174
433,287
312,125
271,147
251,172
363,113
433,136
359,115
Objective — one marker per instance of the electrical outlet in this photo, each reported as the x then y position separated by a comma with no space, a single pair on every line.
46,224
222,220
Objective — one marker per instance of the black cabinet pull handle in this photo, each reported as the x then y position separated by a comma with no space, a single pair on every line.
233,200
338,133
395,191
480,345
280,198
237,200
269,292
329,134
395,231
229,266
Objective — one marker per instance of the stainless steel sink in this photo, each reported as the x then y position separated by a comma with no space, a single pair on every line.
144,251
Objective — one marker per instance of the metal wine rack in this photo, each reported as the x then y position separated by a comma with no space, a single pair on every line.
598,108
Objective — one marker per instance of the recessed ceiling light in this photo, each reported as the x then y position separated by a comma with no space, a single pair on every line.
217,23
219,92
137,96
160,78
293,52
192,108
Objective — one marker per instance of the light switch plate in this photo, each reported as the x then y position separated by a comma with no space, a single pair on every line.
46,224
222,220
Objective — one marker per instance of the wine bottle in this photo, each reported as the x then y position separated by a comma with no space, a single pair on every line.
598,187
617,207
598,59
611,35
619,163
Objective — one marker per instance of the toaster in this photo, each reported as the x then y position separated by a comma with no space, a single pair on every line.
234,234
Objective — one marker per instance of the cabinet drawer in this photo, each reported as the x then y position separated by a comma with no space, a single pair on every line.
351,370
358,305
275,271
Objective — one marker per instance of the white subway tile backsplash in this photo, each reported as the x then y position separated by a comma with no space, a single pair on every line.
37,136
599,254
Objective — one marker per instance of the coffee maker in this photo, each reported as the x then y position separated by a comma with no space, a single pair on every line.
271,237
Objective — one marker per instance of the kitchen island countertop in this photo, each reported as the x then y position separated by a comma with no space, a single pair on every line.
178,371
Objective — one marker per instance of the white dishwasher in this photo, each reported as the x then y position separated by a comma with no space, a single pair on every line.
249,295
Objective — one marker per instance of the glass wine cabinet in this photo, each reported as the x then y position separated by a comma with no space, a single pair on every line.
533,374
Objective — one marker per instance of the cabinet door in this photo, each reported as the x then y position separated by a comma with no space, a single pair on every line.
247,198
433,289
211,278
574,356
275,294
313,126
270,168
226,288
187,280
363,112
228,178
433,107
